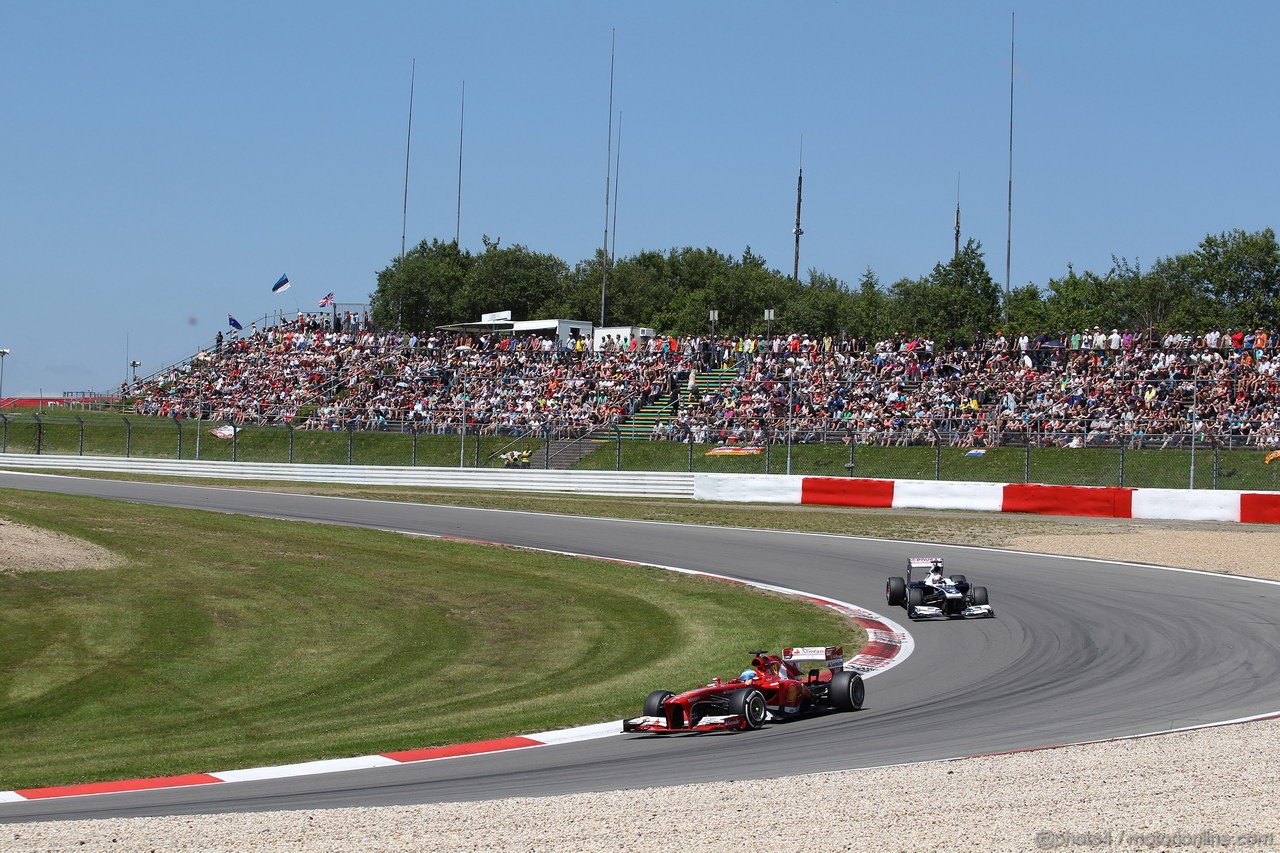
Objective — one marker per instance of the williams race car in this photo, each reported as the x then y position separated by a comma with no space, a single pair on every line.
774,688
932,593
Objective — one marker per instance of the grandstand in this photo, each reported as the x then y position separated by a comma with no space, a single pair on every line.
1146,390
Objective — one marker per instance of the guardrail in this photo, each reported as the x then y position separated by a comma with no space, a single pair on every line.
646,484
1100,501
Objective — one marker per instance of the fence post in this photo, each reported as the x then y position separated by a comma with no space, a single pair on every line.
546,448
690,453
413,461
4,441
617,462
476,459
235,442
39,433
80,421
176,422
1192,484
937,456
1217,463
1026,463
128,437
289,426
199,420
351,442
1123,445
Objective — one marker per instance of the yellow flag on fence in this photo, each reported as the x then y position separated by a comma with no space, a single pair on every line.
1275,454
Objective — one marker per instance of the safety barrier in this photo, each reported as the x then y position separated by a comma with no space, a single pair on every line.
648,484
1096,501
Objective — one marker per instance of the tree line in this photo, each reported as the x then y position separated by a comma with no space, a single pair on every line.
1230,279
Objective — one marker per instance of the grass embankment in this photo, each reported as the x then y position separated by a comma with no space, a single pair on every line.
98,434
226,641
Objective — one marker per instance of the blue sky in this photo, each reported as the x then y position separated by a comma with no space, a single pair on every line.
164,163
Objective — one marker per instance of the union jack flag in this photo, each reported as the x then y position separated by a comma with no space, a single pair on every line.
327,300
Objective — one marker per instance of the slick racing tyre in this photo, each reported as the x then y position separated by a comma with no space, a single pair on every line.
979,594
846,691
915,598
653,705
749,704
895,591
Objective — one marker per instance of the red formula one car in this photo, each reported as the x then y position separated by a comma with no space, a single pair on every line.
774,688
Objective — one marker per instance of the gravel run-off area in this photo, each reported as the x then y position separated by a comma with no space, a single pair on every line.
1212,789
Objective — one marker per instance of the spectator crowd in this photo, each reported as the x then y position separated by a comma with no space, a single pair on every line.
1083,388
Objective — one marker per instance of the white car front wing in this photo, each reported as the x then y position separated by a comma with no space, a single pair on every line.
976,610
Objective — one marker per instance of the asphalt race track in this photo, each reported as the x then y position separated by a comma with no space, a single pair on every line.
1079,650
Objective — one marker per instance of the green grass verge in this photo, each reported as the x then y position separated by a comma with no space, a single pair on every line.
227,641
1095,466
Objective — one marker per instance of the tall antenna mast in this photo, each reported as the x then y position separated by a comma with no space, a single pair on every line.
617,174
957,254
795,275
1008,246
608,162
457,229
404,213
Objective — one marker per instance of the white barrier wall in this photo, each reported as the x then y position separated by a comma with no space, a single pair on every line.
1187,505
748,488
649,484
1105,502
943,494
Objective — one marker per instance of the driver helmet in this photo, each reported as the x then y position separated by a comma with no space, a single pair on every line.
747,674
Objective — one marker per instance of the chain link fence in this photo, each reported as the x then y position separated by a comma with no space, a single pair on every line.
1174,461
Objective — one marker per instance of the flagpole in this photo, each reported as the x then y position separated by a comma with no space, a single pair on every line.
1008,246
795,275
457,232
404,212
608,162
617,175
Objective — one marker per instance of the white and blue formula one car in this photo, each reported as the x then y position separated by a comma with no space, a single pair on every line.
928,591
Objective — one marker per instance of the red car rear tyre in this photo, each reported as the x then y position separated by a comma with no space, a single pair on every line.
846,691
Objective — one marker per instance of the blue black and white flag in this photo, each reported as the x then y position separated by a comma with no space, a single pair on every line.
282,284
233,322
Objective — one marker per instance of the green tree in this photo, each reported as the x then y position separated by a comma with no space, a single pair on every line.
528,284
818,304
912,305
1238,274
957,301
865,312
1079,301
1027,310
416,292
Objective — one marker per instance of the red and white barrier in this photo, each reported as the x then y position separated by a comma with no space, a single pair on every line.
1095,501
